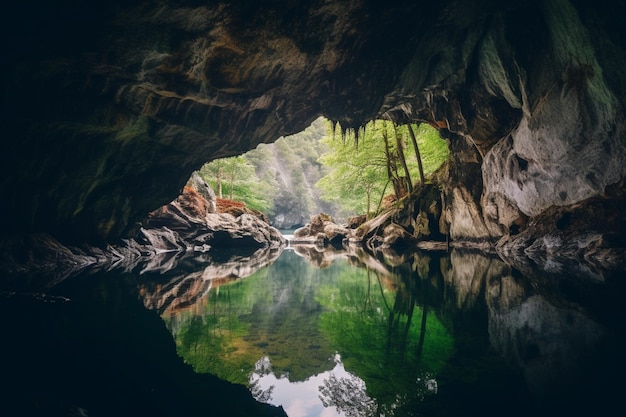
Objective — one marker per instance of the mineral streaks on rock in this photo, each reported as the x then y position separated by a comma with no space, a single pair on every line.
570,142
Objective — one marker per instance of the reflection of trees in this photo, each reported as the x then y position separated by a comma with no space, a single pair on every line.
409,294
260,394
348,395
386,327
261,367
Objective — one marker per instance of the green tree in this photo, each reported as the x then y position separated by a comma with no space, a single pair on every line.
359,174
213,173
236,177
356,173
290,168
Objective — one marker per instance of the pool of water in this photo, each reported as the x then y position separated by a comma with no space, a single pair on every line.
312,332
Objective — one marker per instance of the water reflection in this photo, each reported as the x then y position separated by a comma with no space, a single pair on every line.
332,393
415,332
320,332
326,394
184,280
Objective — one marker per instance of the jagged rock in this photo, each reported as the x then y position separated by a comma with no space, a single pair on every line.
197,183
395,236
572,238
187,224
413,220
356,221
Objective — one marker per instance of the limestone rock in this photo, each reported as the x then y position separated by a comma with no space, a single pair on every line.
322,230
580,237
175,228
197,183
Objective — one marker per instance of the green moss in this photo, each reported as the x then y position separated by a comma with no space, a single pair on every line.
135,128
493,73
573,52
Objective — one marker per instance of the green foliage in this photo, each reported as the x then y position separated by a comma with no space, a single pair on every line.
315,171
379,341
358,172
235,178
277,177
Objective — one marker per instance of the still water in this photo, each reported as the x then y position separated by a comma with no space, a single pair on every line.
319,333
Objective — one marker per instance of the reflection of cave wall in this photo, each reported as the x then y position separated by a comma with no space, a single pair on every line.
563,333
108,109
559,350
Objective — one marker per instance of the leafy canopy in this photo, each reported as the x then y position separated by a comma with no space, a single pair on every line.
316,171
360,172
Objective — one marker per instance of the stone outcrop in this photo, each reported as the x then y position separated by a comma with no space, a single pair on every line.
108,108
580,237
322,231
187,223
190,224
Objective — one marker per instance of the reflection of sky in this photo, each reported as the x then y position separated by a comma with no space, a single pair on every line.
300,399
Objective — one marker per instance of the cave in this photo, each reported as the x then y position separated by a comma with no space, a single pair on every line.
108,108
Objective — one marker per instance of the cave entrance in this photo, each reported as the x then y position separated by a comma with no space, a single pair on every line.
318,170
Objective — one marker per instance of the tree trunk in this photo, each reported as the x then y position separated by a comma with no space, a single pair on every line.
219,183
403,159
232,180
387,152
392,168
417,154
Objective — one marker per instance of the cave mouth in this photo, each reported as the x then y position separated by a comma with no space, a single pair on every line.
108,126
321,170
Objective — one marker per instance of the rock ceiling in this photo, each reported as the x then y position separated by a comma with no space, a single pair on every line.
108,108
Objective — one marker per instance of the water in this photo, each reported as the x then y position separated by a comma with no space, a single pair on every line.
318,333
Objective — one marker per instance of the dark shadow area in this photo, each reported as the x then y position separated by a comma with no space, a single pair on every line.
91,348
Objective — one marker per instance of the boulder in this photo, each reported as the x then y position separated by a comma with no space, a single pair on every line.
321,230
187,223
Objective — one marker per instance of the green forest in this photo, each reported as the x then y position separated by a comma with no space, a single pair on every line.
323,169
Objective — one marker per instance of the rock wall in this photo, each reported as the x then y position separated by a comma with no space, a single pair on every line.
108,108
570,142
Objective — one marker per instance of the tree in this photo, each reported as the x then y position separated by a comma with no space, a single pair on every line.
400,153
359,174
418,156
213,173
356,174
237,176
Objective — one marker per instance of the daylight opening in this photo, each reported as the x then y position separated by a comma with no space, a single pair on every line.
316,171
